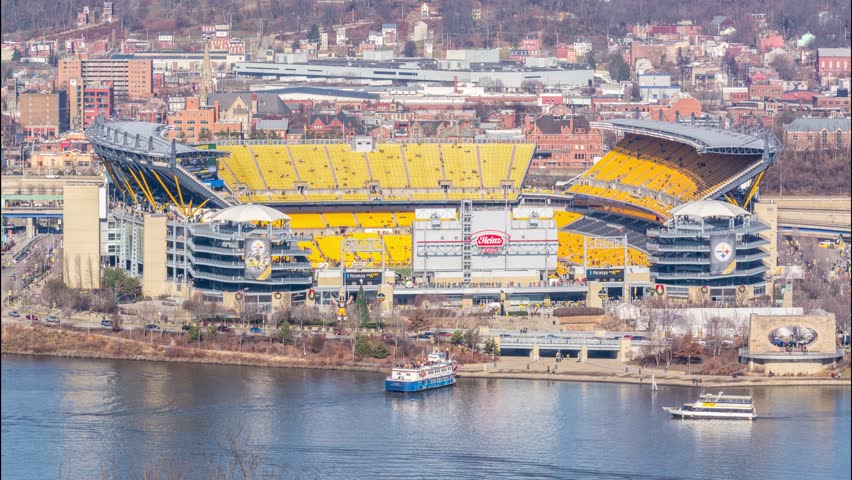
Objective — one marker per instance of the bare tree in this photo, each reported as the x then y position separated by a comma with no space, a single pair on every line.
715,333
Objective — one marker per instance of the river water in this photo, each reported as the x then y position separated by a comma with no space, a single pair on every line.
64,418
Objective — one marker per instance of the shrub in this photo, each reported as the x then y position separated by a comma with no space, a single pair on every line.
317,343
577,311
284,333
364,347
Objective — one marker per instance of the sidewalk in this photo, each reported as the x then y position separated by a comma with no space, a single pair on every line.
613,371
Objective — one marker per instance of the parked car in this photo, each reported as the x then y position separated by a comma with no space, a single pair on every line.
52,319
32,317
152,327
638,337
256,330
224,329
14,313
185,328
106,323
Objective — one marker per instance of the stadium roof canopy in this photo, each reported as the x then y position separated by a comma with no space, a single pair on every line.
139,137
249,213
709,208
703,139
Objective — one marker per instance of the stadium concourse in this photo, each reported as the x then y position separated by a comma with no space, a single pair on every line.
352,207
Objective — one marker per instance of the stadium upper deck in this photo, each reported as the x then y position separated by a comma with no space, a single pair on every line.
658,165
145,166
277,173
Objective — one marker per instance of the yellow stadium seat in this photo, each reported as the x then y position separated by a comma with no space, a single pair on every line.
564,218
300,221
242,164
313,166
386,166
404,219
340,219
496,158
350,167
275,164
376,220
461,165
424,164
521,162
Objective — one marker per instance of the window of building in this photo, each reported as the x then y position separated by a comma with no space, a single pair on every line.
824,138
838,139
795,137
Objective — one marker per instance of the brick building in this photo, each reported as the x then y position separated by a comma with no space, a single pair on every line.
43,113
190,123
563,141
834,63
130,78
765,92
814,134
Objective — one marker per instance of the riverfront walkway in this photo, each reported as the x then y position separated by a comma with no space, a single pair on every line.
613,371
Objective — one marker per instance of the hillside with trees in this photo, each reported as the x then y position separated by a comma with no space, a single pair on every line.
503,21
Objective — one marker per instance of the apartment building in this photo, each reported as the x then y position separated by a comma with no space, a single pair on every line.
131,78
44,113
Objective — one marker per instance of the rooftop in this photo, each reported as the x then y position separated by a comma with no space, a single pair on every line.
819,124
704,139
834,52
144,137
709,208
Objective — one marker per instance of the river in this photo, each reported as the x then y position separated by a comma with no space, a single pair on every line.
70,418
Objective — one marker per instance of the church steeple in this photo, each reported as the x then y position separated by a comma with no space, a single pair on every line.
206,75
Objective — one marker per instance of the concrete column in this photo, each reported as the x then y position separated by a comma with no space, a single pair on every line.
534,352
788,297
624,353
386,305
81,232
31,230
592,298
467,302
282,303
154,256
583,355
768,213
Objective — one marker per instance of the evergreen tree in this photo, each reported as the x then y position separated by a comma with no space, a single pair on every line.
361,306
590,59
619,70
314,33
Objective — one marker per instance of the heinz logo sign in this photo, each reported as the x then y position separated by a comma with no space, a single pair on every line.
489,242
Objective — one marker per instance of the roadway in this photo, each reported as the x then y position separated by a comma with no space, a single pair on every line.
41,185
812,215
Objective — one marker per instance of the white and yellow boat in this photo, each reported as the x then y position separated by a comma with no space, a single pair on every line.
719,406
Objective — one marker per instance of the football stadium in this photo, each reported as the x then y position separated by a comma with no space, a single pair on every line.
672,209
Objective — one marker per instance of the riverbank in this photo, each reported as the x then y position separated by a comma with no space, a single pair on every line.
47,341
612,371
42,341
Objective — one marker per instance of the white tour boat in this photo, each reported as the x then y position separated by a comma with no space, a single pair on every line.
719,406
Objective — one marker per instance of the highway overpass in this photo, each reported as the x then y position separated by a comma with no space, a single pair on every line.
813,216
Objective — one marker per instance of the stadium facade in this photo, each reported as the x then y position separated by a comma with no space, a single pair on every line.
497,247
455,214
710,251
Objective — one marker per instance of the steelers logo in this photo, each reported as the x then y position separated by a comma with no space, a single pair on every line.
723,251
